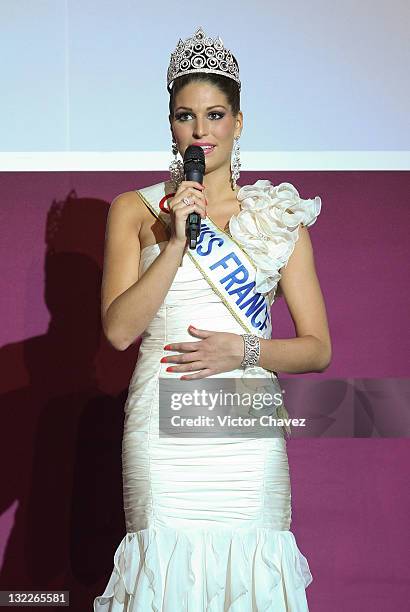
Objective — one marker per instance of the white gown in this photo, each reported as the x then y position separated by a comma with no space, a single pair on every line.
207,520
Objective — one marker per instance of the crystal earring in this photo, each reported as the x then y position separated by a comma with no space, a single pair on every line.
235,163
176,167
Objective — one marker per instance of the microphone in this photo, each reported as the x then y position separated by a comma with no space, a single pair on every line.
194,168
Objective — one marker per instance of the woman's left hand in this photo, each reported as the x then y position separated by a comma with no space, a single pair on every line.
216,352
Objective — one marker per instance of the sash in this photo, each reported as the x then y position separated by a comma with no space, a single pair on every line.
229,271
226,267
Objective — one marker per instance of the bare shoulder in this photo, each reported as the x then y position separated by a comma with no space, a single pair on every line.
122,246
129,205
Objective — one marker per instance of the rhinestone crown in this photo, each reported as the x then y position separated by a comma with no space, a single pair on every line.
201,53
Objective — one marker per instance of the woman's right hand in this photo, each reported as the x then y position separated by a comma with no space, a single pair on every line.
179,211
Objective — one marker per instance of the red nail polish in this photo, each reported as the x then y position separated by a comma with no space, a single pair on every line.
163,360
167,347
169,369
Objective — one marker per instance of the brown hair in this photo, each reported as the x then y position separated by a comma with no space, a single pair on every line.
225,84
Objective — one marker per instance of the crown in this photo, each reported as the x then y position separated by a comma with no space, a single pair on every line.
200,53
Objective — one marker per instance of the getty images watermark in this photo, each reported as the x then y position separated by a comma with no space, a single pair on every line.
223,407
256,407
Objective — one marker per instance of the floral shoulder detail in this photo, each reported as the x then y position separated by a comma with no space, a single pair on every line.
267,227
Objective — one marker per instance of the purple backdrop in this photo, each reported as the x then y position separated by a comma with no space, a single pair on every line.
63,388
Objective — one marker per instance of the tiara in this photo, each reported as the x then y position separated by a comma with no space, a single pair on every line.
200,53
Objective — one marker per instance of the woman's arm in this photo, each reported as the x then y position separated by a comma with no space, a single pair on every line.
311,350
129,303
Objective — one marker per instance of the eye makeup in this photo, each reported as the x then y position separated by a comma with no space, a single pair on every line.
178,116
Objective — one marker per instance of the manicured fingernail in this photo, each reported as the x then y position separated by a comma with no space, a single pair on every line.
169,369
167,347
163,360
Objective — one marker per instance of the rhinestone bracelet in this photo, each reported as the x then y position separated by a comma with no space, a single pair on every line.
252,350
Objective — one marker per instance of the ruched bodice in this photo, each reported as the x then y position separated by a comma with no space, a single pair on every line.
189,301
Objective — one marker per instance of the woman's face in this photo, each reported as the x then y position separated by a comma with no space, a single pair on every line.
202,114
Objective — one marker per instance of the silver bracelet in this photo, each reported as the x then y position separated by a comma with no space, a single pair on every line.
252,349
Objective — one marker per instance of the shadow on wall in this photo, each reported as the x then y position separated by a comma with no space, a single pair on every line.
61,429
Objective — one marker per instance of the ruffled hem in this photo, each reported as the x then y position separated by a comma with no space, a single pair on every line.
197,570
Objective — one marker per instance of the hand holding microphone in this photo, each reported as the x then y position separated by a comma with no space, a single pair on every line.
194,168
188,206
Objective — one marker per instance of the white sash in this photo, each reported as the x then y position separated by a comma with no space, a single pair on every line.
226,267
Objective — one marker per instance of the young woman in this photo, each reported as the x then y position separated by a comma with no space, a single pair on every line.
208,519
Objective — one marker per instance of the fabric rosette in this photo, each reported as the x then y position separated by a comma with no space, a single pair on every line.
267,227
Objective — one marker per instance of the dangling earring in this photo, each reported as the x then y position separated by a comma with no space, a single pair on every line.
176,167
235,164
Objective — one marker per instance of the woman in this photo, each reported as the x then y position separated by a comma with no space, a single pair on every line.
208,519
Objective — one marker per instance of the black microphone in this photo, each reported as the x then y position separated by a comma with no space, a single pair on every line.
194,169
